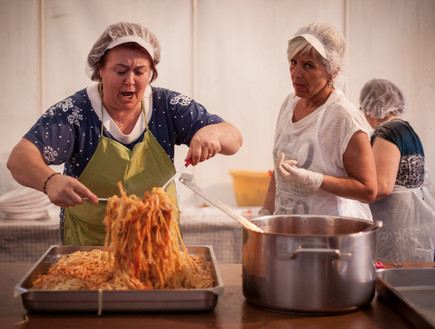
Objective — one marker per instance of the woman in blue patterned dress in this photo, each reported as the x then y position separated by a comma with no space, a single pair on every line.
119,129
403,202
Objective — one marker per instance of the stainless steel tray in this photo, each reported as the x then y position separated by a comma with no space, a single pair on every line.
158,300
411,291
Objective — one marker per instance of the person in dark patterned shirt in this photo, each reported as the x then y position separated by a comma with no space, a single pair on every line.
120,129
403,203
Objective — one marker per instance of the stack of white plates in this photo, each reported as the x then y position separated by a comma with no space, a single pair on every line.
25,203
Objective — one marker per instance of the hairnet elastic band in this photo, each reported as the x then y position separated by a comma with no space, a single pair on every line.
119,41
312,40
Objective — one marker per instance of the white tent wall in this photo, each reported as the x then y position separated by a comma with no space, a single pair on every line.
20,70
230,55
72,28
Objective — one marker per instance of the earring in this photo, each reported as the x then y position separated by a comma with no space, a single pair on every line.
330,84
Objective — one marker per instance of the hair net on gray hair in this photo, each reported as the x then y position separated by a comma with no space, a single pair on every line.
117,34
380,98
327,41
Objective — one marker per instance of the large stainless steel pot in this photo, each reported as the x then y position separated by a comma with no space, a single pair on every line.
309,264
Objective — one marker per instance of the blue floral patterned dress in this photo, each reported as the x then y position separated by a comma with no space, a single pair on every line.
69,131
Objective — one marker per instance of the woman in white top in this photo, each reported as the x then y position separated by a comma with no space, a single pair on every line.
324,163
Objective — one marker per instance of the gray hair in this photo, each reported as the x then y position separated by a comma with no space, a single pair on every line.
333,42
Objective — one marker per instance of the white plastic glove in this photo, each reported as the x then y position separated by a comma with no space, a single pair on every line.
264,212
290,173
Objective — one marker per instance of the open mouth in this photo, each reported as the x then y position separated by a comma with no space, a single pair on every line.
127,95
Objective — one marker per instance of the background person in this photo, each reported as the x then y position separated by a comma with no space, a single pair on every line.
329,168
403,203
119,129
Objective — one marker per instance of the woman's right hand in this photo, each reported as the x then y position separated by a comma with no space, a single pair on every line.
65,191
28,168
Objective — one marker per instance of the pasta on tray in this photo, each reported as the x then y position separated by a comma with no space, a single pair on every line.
143,250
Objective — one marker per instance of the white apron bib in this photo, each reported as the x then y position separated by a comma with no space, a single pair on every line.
301,141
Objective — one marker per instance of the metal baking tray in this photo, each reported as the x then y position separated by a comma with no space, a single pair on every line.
158,300
411,291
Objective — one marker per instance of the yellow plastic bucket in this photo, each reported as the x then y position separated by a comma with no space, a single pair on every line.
250,187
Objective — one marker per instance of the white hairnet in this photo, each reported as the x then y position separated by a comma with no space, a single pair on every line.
331,46
380,98
117,34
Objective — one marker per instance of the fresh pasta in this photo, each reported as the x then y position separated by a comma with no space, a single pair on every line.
143,250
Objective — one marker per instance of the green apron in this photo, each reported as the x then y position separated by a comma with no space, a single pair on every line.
139,170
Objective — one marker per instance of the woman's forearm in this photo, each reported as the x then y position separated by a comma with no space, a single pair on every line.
350,188
269,200
27,165
230,138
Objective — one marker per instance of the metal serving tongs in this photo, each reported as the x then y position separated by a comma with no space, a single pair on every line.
179,171
99,199
186,179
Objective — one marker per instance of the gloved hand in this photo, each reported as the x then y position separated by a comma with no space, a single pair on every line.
264,212
290,173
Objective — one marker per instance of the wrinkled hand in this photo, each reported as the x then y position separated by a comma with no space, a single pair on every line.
65,191
204,145
290,173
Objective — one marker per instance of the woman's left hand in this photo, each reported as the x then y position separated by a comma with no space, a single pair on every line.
210,140
203,146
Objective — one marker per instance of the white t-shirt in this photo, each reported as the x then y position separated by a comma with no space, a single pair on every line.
317,143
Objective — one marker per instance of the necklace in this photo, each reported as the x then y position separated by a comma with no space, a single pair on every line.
117,121
100,89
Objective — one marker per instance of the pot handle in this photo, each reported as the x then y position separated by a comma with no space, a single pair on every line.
333,252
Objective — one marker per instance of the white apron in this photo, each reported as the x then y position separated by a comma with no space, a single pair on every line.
301,141
408,234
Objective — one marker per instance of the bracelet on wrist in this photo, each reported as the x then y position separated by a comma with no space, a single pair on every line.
46,181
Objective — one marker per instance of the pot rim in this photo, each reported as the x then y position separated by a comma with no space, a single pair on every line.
322,217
